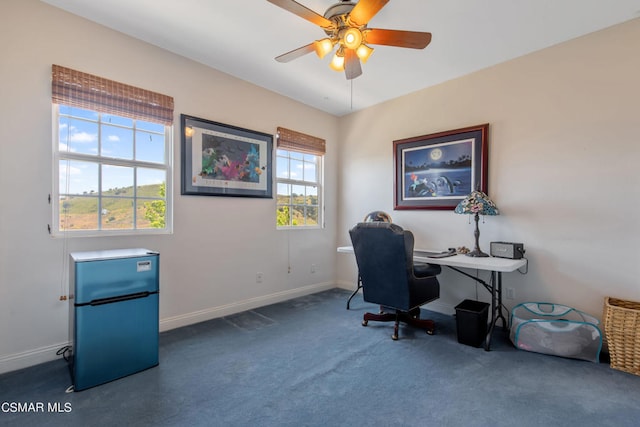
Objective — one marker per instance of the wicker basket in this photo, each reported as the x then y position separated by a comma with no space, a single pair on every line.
622,329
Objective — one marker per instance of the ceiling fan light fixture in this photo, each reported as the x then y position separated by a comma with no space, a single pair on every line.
364,52
323,47
337,63
352,38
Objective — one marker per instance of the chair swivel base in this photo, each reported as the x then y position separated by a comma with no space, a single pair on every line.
411,318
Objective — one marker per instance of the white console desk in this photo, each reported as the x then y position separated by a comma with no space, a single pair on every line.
496,266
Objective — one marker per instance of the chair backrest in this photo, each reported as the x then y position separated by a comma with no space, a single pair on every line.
384,255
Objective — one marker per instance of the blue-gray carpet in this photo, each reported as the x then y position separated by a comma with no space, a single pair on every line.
309,362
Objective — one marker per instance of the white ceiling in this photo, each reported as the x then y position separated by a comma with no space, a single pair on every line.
242,38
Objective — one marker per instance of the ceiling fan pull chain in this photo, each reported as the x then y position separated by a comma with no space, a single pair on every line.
351,81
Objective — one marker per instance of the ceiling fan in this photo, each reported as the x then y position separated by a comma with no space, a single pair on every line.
345,24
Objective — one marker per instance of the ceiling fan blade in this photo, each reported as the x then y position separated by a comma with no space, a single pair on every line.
364,10
399,38
352,68
303,12
295,53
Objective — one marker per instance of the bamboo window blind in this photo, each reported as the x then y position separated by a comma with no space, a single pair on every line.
87,91
291,140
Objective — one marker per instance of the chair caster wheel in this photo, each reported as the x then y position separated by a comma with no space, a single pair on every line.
365,322
394,337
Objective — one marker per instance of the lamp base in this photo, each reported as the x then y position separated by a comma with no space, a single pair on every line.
477,253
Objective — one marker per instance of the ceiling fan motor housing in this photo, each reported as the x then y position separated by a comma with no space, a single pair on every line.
342,8
339,15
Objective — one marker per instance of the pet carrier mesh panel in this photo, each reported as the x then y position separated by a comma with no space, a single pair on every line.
556,329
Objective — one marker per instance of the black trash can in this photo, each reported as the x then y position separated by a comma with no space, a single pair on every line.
471,322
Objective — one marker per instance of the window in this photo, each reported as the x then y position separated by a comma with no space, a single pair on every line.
112,167
298,180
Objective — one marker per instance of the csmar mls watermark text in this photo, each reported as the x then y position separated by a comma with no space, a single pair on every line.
45,407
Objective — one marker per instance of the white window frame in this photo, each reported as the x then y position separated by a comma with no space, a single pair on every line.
319,184
61,155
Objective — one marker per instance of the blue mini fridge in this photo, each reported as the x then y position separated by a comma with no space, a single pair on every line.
114,325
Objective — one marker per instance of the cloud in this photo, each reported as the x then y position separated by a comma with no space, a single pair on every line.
83,137
113,138
70,170
65,147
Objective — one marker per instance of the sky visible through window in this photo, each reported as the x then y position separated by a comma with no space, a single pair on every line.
110,137
298,184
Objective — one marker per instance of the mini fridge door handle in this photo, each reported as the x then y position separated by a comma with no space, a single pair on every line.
120,298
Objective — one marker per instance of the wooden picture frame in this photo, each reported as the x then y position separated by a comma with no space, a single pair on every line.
438,170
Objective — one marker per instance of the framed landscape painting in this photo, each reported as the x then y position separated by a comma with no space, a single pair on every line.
437,171
225,160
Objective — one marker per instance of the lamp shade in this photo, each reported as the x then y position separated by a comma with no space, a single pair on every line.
323,47
477,203
337,63
364,52
352,38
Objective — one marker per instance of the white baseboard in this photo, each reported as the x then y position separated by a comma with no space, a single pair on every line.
13,362
240,306
342,284
440,307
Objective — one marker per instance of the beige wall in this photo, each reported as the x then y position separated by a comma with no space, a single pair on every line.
209,264
564,142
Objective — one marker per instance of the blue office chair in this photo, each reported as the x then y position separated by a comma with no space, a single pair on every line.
390,278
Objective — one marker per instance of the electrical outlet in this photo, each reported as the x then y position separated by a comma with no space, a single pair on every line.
511,293
259,277
314,268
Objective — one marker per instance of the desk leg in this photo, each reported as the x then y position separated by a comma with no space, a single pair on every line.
496,307
355,292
